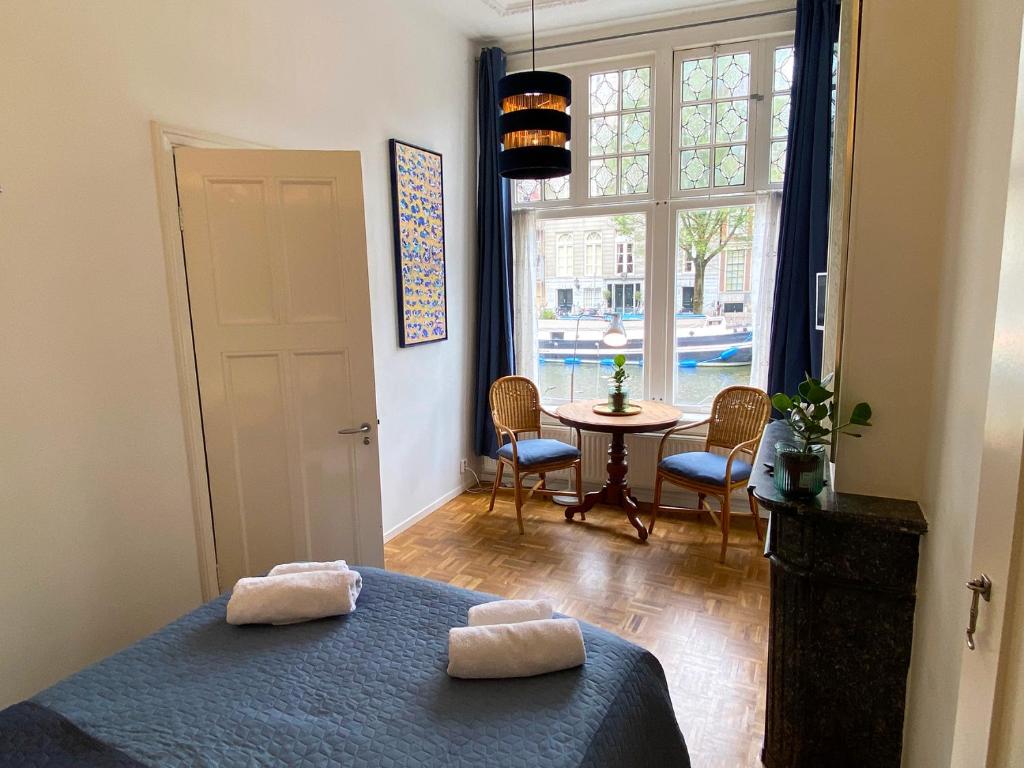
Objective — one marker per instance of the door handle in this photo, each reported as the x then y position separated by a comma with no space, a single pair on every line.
980,587
362,428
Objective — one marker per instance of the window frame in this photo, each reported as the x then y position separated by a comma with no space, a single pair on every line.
647,210
660,205
753,111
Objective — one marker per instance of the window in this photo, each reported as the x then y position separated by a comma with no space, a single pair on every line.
619,132
533,191
574,312
735,276
714,118
690,168
624,257
563,256
592,257
711,351
782,82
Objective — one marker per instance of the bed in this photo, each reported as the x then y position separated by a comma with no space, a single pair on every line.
367,689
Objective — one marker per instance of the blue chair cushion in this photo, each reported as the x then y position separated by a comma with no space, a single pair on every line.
540,451
704,468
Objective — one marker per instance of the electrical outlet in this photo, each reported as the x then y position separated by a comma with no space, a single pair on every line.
463,466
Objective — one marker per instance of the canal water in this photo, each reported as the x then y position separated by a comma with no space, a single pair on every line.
693,386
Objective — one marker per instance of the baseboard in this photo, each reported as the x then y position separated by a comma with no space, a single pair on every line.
410,521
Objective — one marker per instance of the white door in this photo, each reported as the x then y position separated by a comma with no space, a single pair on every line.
275,254
990,691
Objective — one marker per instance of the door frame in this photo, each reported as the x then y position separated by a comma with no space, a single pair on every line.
164,139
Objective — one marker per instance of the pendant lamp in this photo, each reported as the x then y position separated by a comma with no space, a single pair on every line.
534,123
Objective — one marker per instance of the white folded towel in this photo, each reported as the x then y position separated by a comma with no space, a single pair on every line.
283,568
515,650
293,597
509,612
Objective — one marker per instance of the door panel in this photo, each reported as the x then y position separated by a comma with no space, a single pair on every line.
326,474
240,252
275,253
315,281
259,434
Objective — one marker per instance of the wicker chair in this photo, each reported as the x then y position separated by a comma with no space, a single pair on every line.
515,409
738,417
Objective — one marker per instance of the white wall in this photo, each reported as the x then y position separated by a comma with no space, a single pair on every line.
934,128
96,535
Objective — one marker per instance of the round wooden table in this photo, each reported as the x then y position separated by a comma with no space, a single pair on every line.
654,417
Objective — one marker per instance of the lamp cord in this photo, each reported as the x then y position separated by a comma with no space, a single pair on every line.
533,34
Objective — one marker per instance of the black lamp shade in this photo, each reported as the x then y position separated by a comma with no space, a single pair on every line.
534,125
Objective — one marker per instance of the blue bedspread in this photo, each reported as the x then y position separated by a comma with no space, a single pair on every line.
368,689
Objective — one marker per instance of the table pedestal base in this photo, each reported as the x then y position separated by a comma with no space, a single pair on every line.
616,491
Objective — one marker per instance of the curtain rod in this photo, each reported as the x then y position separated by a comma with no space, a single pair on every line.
691,25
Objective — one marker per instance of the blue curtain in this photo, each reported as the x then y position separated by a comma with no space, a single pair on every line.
803,224
495,352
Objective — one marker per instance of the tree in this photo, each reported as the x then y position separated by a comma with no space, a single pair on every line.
705,234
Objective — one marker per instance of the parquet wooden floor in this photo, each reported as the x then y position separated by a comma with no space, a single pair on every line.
707,622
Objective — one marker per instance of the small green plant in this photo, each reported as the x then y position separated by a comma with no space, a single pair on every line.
547,314
620,374
807,411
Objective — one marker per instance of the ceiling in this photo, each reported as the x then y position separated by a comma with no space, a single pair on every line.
509,18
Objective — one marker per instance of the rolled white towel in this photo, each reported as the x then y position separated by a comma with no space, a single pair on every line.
515,650
293,597
283,568
509,612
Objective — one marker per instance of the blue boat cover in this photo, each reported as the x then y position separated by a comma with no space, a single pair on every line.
367,689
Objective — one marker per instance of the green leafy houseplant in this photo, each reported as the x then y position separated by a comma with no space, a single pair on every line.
618,398
811,414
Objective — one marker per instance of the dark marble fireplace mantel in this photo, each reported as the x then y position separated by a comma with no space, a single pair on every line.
843,576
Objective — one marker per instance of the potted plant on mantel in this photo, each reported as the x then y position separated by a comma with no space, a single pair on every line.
618,397
800,467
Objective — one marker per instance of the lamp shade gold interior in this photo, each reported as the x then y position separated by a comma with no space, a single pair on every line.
535,126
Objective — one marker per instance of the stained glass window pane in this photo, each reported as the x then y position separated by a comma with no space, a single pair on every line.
634,174
604,136
604,92
731,121
733,78
730,165
694,168
527,191
636,88
696,78
603,176
636,132
777,162
783,78
557,189
780,116
695,125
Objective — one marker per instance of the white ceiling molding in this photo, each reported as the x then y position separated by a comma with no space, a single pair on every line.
512,7
488,20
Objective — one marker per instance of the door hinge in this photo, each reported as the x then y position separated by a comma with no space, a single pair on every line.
181,220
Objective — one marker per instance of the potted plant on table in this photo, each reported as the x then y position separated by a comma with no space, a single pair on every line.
618,397
800,466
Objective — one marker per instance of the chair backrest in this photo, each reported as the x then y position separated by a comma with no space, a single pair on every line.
737,415
515,403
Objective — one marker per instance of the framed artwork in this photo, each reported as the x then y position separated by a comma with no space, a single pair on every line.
417,197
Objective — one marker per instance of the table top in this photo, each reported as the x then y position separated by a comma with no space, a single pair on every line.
654,417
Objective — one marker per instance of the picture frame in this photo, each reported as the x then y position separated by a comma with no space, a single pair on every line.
417,200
